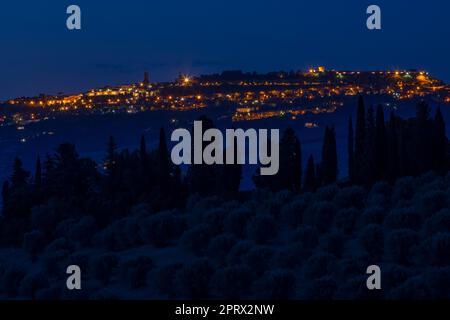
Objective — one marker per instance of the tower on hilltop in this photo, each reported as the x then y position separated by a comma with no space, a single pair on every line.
146,79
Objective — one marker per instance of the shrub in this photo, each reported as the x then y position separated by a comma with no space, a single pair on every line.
162,228
288,257
319,265
406,218
381,188
345,220
80,259
33,242
432,201
258,259
82,231
196,239
58,244
292,212
55,262
103,267
214,219
307,238
320,215
31,283
351,197
326,193
238,252
371,215
220,246
165,280
439,222
394,275
134,271
322,289
355,288
416,288
236,222
50,293
262,228
192,280
333,243
404,189
351,266
11,279
44,217
275,285
437,249
400,245
371,239
107,238
232,282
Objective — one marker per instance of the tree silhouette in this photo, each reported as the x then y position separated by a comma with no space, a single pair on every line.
381,150
351,152
289,175
201,178
309,184
360,140
440,143
329,157
38,174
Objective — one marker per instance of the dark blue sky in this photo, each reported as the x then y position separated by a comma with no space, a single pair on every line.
121,39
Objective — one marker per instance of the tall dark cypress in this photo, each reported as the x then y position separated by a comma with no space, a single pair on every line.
360,140
440,143
369,165
38,174
163,153
329,157
5,194
143,148
111,155
423,140
231,174
380,145
201,178
351,152
19,177
309,184
290,161
393,162
289,175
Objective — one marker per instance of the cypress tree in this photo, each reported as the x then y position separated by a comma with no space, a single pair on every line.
19,177
380,145
290,172
423,140
351,152
309,184
111,156
329,157
5,193
163,153
439,142
369,165
143,149
360,140
393,162
38,174
201,178
289,175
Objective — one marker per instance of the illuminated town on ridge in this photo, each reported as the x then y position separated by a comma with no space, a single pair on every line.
252,96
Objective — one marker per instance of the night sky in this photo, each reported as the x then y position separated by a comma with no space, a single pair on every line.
121,39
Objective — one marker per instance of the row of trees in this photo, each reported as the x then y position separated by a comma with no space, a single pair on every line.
376,151
386,151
